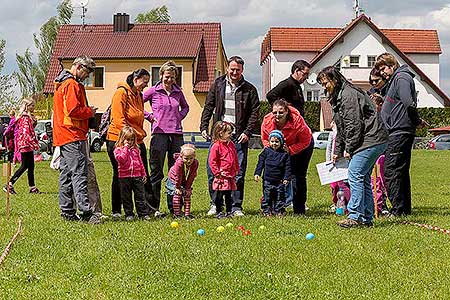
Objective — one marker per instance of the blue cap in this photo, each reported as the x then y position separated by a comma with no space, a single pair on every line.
278,134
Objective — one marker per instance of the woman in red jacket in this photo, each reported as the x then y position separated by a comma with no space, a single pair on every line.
298,142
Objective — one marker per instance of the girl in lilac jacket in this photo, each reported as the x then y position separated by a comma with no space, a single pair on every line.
169,108
180,179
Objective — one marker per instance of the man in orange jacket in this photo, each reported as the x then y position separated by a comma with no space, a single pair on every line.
71,115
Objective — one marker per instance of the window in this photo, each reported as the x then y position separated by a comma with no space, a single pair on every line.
371,61
312,95
155,75
217,73
95,78
354,61
323,136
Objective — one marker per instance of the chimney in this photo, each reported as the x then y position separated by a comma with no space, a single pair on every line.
121,22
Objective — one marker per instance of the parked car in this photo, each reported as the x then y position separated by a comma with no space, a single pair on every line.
196,139
44,133
440,142
321,139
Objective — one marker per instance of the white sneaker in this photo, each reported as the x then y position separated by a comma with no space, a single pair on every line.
129,218
306,207
212,211
159,214
332,209
116,216
238,213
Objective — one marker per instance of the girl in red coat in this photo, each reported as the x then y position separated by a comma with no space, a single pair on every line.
180,179
223,161
26,142
132,176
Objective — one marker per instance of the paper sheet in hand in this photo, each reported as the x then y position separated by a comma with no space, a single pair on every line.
329,172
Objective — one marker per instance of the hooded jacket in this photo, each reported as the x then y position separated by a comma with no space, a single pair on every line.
297,134
180,176
129,162
168,110
399,109
127,108
357,121
276,165
70,110
247,105
224,164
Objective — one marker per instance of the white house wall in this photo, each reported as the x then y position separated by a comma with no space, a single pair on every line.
363,41
429,64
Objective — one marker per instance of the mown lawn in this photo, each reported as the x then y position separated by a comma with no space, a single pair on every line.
54,259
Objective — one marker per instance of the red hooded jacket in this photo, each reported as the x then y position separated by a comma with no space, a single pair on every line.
297,134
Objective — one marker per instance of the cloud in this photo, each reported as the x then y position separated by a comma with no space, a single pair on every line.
244,22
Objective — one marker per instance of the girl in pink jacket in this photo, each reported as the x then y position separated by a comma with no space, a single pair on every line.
132,176
223,161
180,179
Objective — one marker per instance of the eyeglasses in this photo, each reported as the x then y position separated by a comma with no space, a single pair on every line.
88,69
304,74
278,113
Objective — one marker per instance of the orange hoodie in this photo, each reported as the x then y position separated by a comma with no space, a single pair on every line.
70,111
127,108
297,134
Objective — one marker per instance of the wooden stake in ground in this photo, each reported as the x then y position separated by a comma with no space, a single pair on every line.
8,248
7,173
374,176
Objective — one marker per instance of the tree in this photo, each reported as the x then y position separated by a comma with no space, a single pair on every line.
7,97
31,75
156,15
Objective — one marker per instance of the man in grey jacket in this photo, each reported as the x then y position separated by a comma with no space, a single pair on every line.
400,117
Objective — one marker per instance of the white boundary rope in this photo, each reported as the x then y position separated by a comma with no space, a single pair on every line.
431,227
8,248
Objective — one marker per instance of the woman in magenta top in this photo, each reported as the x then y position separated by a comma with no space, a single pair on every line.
169,108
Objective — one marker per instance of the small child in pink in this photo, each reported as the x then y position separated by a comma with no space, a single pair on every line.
223,161
180,179
132,176
381,191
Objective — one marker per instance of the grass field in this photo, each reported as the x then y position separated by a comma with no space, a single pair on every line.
54,259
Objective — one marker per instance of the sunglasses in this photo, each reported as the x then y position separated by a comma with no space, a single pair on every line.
89,69
278,113
375,81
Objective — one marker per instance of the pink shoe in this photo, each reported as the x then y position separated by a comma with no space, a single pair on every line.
34,190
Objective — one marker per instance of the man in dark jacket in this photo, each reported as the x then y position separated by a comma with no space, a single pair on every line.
400,117
290,89
233,99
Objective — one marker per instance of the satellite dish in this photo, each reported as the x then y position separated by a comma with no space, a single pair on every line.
312,79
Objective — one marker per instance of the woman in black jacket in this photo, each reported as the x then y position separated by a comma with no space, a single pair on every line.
361,138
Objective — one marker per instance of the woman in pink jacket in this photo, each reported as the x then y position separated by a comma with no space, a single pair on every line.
132,176
223,161
180,179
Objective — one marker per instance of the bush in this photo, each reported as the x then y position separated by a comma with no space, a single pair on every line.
435,116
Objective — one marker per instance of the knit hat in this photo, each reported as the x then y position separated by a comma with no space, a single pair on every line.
278,134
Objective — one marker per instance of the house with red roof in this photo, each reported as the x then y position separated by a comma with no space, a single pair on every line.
122,47
353,49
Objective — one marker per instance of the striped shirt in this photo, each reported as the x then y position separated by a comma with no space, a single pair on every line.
230,102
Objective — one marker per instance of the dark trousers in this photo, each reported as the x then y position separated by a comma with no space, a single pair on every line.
27,164
396,172
116,200
273,199
238,195
160,145
218,197
128,187
299,167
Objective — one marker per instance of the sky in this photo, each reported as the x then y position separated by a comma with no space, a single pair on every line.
244,22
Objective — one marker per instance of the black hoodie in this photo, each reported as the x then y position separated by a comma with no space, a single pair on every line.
399,110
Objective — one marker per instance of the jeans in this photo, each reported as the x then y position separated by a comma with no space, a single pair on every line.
360,207
396,172
238,195
273,199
